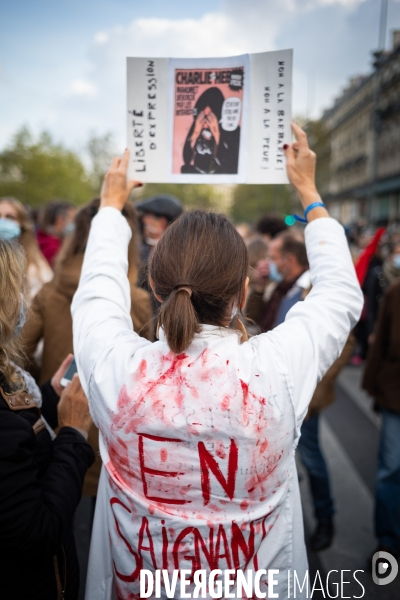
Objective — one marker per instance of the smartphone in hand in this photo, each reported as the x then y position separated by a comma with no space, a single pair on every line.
69,373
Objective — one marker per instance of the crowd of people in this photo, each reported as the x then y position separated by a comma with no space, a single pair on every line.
202,350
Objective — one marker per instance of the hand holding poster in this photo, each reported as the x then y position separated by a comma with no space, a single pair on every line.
220,120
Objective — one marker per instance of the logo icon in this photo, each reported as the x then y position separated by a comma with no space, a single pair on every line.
384,568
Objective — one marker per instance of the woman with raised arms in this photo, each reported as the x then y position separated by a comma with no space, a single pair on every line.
198,430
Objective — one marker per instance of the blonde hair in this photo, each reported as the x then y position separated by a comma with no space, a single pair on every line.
27,238
12,279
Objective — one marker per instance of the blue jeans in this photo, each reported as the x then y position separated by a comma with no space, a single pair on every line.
387,499
314,462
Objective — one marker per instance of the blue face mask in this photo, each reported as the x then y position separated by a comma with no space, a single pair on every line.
21,321
274,273
396,261
70,228
9,230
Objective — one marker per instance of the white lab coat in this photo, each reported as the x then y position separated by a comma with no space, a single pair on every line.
198,449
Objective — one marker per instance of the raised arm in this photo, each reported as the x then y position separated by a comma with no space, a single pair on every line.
315,331
101,306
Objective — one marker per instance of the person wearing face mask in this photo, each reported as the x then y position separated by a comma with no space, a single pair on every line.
50,315
156,213
380,279
287,268
57,222
41,474
15,224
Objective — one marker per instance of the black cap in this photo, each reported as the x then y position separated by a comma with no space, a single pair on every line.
163,206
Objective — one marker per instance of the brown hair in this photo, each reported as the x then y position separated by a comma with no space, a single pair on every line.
291,244
271,225
52,210
12,278
204,253
257,250
76,242
27,238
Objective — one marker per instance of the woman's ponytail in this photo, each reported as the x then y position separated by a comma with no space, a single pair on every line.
197,270
179,320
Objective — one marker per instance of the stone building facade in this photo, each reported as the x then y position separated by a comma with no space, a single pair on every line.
364,127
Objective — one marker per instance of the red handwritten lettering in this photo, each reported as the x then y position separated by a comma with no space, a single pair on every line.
222,535
208,552
238,541
150,548
135,573
164,548
208,462
156,472
194,559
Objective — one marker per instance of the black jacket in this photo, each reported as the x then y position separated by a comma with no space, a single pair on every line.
40,487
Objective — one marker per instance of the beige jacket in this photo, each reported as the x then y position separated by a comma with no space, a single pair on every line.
50,318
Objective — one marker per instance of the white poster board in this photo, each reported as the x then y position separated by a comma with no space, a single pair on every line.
212,120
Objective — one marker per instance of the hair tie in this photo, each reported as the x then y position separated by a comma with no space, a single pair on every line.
185,288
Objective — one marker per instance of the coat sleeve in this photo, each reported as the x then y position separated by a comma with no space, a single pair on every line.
254,306
377,351
316,330
32,331
104,340
141,312
36,508
50,403
325,390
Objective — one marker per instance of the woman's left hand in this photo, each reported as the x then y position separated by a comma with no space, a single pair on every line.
116,188
58,375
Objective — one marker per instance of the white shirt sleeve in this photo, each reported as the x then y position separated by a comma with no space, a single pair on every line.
315,331
102,326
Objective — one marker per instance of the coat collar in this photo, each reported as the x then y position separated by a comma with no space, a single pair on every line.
207,332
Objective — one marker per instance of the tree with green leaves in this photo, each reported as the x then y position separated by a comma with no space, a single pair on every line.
37,171
251,201
205,197
100,150
320,142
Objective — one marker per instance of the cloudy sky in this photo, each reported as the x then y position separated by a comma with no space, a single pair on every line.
62,64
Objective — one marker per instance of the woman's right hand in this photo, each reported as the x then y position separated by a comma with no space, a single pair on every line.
73,408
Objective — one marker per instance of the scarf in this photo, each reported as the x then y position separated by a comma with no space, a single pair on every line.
33,390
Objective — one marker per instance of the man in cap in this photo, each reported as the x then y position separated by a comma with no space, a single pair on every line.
156,213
